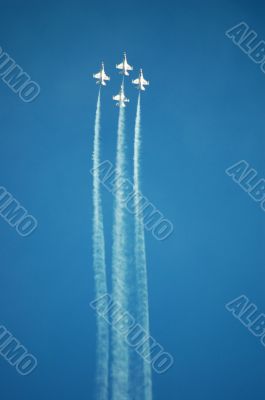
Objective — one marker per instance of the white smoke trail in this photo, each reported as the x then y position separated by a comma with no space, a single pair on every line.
99,265
120,353
144,373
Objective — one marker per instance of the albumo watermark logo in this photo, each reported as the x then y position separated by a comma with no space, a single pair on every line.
15,353
16,79
133,334
153,220
247,178
15,214
247,40
247,313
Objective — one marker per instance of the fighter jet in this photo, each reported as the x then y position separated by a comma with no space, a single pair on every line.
140,82
101,76
120,98
124,66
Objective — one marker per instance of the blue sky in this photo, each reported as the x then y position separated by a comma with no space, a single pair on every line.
203,111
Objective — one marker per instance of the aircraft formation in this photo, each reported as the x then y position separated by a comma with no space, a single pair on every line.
124,69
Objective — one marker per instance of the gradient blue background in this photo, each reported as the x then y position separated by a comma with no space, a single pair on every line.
204,111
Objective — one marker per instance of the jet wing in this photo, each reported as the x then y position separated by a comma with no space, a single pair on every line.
145,82
119,66
97,76
129,67
118,97
105,77
136,81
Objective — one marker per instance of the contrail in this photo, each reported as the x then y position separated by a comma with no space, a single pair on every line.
120,352
144,373
99,265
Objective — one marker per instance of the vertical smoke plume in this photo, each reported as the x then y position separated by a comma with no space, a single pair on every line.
144,372
120,353
99,265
